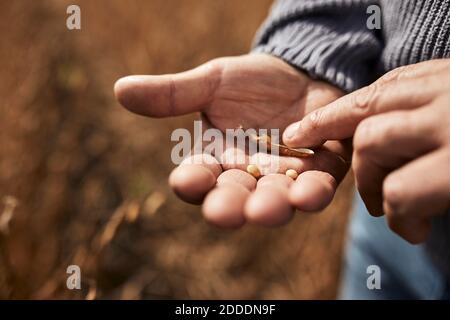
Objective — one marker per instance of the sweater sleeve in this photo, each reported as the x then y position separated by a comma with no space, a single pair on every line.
328,39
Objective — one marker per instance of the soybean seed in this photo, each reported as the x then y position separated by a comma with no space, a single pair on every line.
291,173
253,170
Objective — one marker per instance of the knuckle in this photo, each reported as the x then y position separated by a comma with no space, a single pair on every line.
395,74
394,195
396,225
314,120
393,224
365,136
408,229
365,99
408,72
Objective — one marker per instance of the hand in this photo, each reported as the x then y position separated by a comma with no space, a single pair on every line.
252,91
401,128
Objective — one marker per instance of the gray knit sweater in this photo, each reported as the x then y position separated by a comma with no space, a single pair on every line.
330,40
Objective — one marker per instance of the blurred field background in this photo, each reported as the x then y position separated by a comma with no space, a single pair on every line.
83,181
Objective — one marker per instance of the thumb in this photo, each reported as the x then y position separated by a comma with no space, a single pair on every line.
171,94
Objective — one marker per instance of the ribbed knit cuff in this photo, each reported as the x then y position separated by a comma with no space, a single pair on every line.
332,44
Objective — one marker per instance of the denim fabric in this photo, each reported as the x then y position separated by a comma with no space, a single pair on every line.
406,270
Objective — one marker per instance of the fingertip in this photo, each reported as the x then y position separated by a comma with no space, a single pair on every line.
268,206
234,158
224,206
205,160
275,179
305,133
373,206
124,83
119,84
312,191
236,176
413,230
119,90
191,182
290,133
126,90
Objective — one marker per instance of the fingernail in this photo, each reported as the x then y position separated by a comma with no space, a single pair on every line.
291,130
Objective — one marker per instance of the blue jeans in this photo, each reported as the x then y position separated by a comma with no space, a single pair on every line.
406,271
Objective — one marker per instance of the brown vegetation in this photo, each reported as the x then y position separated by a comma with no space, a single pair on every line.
83,181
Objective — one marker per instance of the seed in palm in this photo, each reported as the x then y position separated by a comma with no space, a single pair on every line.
254,171
291,173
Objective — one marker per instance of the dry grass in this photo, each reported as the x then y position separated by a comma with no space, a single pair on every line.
84,182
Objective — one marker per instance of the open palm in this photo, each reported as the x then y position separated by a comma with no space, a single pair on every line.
253,91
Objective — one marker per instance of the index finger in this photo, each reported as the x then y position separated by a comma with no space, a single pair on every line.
339,119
